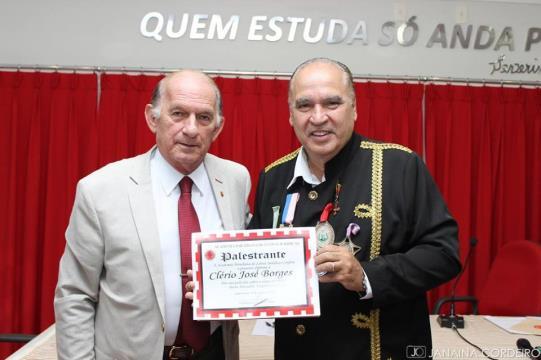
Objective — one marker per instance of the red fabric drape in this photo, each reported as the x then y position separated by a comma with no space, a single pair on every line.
122,129
49,125
256,129
483,148
391,112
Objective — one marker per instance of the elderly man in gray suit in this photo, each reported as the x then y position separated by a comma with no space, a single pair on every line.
121,290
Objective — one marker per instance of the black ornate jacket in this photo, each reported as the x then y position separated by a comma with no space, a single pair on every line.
408,244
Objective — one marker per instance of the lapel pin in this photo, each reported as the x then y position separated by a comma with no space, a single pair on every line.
352,229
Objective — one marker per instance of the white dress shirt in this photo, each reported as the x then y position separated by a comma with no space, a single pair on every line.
166,192
302,170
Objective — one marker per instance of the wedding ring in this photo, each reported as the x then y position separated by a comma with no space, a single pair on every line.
332,270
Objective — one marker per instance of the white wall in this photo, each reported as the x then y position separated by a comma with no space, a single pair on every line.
107,33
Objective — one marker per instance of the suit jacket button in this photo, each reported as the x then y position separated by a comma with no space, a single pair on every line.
163,327
300,329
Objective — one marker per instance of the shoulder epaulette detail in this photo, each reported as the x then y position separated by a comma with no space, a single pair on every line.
383,146
282,160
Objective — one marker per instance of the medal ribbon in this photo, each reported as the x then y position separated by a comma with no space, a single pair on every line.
326,212
289,208
275,216
336,206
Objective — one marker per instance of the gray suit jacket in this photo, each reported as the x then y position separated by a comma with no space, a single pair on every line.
109,301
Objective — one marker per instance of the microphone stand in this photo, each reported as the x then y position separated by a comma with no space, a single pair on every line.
452,320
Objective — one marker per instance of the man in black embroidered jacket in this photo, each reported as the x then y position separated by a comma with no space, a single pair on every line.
373,299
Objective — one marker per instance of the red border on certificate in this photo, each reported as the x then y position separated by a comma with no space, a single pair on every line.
309,308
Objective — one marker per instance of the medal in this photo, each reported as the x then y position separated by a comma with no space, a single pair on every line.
336,206
352,229
324,230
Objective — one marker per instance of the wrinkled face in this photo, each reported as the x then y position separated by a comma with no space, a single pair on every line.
322,110
187,124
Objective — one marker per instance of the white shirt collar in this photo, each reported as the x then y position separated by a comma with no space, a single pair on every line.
169,177
302,170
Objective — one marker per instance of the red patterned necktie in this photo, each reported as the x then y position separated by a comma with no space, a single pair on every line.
190,332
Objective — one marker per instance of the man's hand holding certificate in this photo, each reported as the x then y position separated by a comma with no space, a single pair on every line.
255,274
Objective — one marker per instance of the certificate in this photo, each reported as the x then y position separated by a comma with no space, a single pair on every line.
255,274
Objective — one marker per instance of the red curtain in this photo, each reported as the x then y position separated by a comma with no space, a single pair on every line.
484,150
257,129
391,112
121,123
48,131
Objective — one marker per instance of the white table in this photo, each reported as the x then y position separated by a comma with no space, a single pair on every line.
447,344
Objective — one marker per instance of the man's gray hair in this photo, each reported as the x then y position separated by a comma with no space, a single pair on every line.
348,78
159,90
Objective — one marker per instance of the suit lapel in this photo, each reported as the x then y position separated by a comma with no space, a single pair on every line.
144,216
219,187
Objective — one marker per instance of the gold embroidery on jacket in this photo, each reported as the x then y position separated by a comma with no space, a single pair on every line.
282,160
384,146
363,211
361,321
375,212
